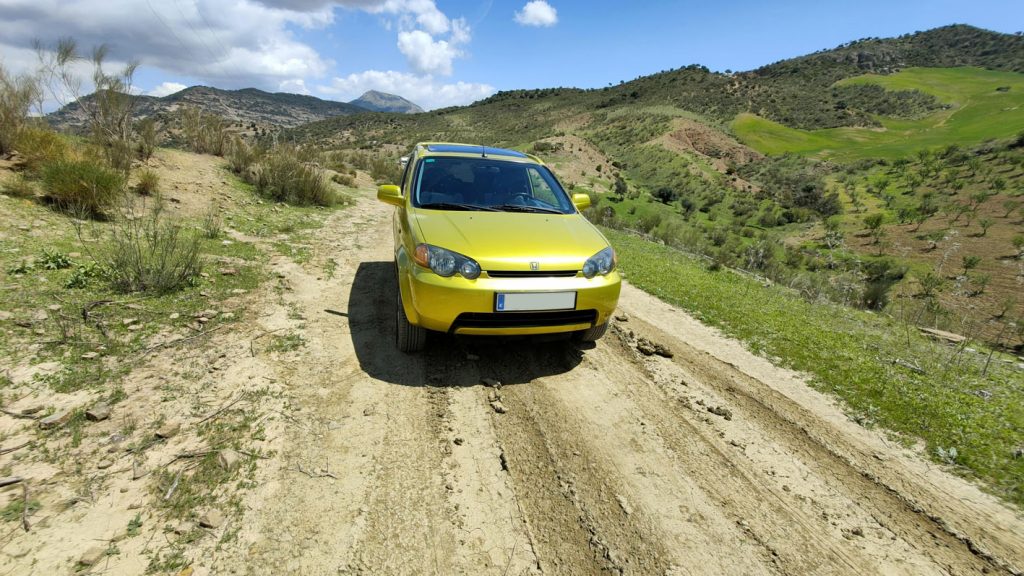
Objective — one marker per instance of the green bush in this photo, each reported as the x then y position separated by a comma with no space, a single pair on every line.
241,156
82,186
39,146
205,133
151,254
148,184
284,176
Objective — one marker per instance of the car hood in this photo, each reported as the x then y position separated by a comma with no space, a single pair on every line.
512,240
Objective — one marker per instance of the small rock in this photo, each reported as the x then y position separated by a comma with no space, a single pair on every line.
857,531
490,382
124,490
238,290
169,429
472,357
74,254
622,317
104,464
498,407
135,505
98,412
227,316
135,327
721,411
626,508
5,316
369,411
204,274
458,441
229,459
56,420
228,272
211,519
174,316
129,321
1018,452
53,307
90,355
92,556
138,470
493,396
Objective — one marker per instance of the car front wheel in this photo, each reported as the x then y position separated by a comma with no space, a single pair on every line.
592,334
409,338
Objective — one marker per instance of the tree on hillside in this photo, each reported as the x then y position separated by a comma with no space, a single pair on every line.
873,222
970,263
1018,244
985,224
17,95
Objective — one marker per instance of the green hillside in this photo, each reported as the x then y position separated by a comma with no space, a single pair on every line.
981,105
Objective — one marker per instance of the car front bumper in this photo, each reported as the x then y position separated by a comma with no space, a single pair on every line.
463,306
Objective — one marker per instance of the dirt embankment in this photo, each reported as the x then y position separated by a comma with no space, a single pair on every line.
622,458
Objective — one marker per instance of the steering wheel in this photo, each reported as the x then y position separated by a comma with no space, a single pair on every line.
524,199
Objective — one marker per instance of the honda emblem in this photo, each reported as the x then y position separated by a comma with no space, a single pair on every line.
535,266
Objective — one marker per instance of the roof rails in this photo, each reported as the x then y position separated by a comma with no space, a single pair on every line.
473,149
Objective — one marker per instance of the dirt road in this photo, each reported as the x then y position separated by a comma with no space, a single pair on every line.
604,461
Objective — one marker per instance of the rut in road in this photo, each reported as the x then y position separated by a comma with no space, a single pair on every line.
604,462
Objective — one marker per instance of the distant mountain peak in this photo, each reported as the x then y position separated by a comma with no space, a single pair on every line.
383,102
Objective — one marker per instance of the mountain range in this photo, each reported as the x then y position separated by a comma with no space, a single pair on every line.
249,106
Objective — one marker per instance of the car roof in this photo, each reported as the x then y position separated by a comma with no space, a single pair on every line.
456,149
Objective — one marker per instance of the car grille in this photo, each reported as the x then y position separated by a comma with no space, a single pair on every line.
523,319
531,273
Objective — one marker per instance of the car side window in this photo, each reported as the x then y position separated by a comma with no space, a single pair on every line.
405,173
541,190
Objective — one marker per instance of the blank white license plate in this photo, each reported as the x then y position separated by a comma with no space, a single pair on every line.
519,301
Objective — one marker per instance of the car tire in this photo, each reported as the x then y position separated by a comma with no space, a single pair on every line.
592,334
409,338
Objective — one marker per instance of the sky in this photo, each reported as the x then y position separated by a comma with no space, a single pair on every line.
441,53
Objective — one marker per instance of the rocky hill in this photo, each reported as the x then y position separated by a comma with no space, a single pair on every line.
375,101
248,106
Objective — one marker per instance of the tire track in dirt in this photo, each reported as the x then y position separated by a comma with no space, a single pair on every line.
603,461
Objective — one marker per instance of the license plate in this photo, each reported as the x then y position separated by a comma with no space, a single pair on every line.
521,301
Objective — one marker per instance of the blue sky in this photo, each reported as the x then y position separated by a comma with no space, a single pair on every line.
439,52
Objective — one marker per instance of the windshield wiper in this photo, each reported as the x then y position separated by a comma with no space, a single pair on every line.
524,208
456,206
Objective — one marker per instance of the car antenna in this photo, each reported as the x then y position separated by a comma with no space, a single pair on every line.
483,151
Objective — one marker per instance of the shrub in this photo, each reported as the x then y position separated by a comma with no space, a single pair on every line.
241,156
284,176
205,133
148,184
39,146
82,186
346,180
151,254
17,94
212,224
19,187
54,260
148,139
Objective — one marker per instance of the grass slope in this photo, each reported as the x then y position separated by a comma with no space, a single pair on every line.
968,419
984,104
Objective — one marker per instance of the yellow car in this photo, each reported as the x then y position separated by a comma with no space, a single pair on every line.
488,243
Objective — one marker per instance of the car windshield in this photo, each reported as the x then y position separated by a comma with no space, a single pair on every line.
449,183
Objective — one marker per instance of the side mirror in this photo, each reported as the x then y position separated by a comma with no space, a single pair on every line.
390,194
582,201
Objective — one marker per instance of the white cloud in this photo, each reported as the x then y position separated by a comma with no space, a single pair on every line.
166,89
421,89
537,13
295,86
242,43
426,55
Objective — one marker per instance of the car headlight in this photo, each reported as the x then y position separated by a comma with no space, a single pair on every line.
445,262
601,263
